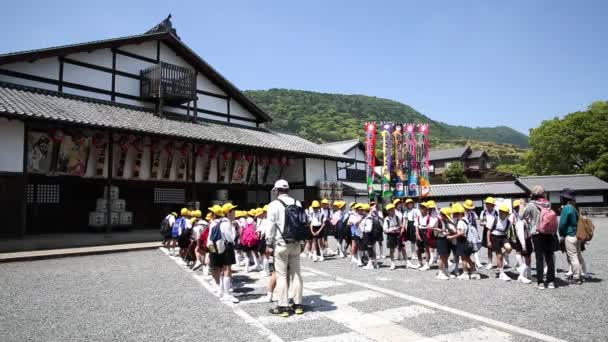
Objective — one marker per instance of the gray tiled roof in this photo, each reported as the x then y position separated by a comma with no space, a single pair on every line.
452,153
342,146
475,154
559,182
23,103
476,189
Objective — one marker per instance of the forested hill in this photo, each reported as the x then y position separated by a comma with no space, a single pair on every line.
323,117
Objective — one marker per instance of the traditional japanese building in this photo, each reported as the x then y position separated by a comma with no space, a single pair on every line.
145,117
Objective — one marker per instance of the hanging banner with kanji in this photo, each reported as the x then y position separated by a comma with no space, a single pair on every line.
387,146
398,161
412,178
424,161
370,156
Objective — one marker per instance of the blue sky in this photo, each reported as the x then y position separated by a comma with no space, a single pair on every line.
474,63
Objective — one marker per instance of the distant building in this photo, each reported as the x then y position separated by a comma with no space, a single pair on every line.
351,174
471,160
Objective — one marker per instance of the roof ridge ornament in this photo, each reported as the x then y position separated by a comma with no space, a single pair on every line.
164,26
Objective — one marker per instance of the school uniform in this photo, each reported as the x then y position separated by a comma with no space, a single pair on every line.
228,257
355,232
377,233
367,228
316,221
392,228
460,243
424,223
498,236
443,245
328,230
488,217
411,215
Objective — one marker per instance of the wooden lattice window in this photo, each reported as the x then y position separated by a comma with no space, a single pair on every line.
169,195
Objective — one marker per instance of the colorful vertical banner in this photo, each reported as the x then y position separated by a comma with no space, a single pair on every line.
412,178
370,156
399,161
424,148
387,155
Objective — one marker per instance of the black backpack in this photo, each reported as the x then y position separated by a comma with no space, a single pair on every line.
377,224
165,227
295,223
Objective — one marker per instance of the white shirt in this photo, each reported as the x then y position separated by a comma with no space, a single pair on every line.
412,214
276,218
316,218
392,224
171,219
501,227
421,222
367,224
227,230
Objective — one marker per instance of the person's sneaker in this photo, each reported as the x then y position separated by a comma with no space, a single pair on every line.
503,276
576,282
489,266
197,265
298,309
569,274
321,258
359,263
453,275
551,286
442,276
314,258
409,264
478,265
269,297
353,260
463,276
475,276
280,311
205,270
426,267
524,280
229,298
392,265
541,286
303,255
369,266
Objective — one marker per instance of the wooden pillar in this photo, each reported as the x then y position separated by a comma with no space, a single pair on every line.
109,182
192,177
23,227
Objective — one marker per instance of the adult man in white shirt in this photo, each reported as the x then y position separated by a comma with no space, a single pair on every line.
286,255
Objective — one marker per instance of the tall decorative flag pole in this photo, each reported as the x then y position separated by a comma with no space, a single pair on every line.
423,143
387,147
412,179
370,156
399,161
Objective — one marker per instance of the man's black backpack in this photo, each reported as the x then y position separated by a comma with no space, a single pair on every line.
165,227
295,223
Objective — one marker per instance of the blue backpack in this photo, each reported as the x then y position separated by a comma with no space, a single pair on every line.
178,227
473,242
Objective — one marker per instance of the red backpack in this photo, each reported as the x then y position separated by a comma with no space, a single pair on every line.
548,221
249,237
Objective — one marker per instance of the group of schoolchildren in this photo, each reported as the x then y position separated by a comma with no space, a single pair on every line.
238,240
453,235
447,237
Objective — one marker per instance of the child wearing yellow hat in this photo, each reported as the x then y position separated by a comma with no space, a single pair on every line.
410,215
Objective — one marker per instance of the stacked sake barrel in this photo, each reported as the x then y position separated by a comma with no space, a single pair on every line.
119,216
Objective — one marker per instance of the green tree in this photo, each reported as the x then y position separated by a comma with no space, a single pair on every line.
577,143
454,174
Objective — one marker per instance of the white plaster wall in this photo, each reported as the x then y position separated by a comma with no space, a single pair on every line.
85,93
203,83
168,55
27,83
342,173
237,110
11,140
126,85
212,103
86,76
241,122
131,65
102,57
314,171
46,67
147,49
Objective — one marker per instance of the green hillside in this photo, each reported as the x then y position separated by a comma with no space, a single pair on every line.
323,117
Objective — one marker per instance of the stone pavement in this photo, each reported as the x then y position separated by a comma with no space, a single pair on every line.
78,251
